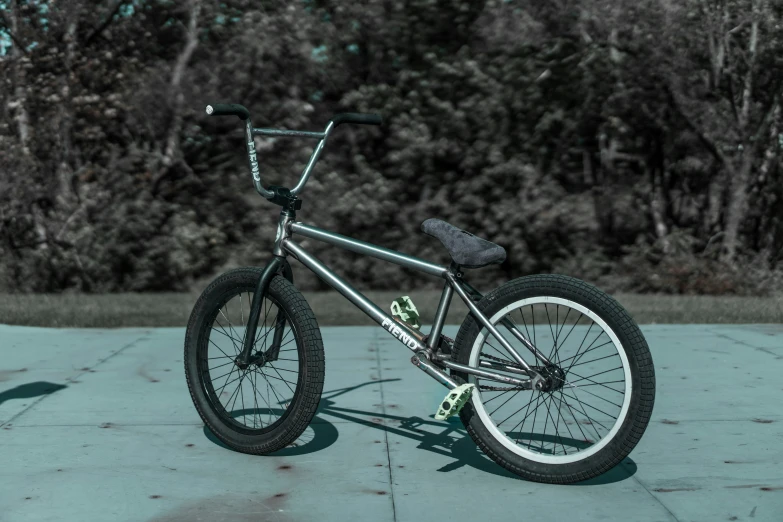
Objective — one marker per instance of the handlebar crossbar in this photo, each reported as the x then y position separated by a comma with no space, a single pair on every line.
235,109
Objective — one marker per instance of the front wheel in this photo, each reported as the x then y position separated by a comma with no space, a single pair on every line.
600,387
265,406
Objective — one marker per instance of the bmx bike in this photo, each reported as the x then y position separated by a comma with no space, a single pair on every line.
254,356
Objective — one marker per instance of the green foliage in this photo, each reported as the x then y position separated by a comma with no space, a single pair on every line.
552,133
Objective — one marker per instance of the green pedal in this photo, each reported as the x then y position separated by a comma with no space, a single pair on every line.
454,401
404,310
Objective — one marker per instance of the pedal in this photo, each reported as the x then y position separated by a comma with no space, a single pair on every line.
454,401
405,311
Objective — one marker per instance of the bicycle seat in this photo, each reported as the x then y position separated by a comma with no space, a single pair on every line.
465,249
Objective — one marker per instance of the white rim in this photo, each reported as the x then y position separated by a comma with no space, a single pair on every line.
499,435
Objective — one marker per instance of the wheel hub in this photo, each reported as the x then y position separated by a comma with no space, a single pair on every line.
257,359
554,377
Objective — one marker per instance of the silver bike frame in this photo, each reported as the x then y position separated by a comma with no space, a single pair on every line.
413,339
424,354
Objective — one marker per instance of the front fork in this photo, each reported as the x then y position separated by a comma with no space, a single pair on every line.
277,264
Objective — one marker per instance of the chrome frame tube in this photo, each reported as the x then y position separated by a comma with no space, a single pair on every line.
367,249
253,161
357,298
409,337
313,159
440,316
483,373
282,133
485,321
511,327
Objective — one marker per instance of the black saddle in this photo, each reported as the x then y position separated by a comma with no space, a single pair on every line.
465,249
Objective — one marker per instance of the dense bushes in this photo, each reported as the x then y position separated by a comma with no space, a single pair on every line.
579,140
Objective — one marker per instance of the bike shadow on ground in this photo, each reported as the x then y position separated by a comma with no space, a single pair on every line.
448,438
30,390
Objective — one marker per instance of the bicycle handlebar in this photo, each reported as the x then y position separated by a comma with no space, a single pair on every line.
228,109
235,109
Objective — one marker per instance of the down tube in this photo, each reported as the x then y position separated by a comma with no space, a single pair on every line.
410,338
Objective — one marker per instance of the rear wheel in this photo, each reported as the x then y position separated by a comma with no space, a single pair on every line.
600,388
264,407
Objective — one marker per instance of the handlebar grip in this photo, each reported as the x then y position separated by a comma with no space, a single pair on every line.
228,109
355,117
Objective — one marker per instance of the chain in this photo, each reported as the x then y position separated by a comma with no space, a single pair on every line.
498,359
500,388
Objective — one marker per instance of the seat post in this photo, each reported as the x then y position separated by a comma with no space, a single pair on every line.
440,316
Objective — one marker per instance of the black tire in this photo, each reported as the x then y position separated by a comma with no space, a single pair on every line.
297,413
639,363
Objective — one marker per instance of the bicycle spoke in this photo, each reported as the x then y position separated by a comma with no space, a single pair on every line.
572,416
227,319
589,379
559,414
501,422
226,384
223,331
241,377
255,397
242,393
583,353
496,396
522,315
274,392
590,350
555,423
546,421
607,400
594,360
554,338
590,421
521,424
281,377
600,384
552,434
593,407
221,365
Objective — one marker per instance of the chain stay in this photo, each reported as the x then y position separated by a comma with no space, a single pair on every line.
500,388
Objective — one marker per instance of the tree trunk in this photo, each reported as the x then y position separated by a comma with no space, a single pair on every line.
738,198
20,101
657,212
740,177
172,140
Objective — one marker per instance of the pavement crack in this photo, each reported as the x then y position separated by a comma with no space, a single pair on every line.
658,500
43,397
743,343
383,412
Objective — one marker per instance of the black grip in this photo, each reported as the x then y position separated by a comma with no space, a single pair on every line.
355,117
228,109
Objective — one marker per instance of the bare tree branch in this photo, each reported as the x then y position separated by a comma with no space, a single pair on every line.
98,30
691,124
752,46
10,29
172,142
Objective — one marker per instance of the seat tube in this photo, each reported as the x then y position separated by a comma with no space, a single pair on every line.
440,316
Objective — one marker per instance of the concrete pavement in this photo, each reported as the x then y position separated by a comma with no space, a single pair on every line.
99,425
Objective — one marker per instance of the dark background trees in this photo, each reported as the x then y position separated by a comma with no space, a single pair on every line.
635,144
